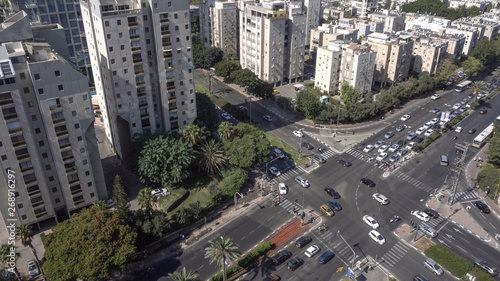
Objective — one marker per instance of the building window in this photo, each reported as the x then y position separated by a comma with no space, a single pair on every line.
79,138
73,113
54,189
106,23
148,41
176,27
119,22
177,39
60,87
57,200
120,35
89,184
37,130
77,126
145,17
57,73
124,59
44,155
71,100
20,206
192,101
92,194
187,26
122,47
133,125
187,38
26,90
125,71
51,178
87,173
84,162
22,75
169,4
37,76
108,36
47,167
85,97
146,29
112,61
82,150
33,118
110,49
41,143
24,217
40,91
4,157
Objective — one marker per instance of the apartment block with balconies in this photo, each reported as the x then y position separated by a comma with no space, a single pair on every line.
142,64
225,26
48,139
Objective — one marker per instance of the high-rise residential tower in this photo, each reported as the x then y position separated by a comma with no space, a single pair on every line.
48,144
142,64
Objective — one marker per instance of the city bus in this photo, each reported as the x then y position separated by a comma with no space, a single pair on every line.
481,139
463,86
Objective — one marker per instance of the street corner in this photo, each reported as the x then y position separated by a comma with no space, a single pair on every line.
369,268
403,231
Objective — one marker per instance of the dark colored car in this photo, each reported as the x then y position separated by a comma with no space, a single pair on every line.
471,130
482,207
420,278
280,257
400,128
332,192
436,127
319,158
334,205
295,263
400,143
326,257
483,111
368,182
419,139
484,266
431,213
272,277
344,163
307,145
302,241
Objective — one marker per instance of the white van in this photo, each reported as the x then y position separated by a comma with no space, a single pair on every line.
299,87
443,160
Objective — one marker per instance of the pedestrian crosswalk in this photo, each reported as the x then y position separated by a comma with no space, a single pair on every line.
434,223
365,157
288,205
336,245
327,153
288,173
395,254
469,194
414,181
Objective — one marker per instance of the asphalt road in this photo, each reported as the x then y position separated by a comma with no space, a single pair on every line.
407,190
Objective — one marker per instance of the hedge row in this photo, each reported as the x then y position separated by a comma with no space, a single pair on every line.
229,271
456,265
430,139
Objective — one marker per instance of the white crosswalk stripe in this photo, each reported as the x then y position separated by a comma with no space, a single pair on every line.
288,205
394,255
435,223
413,181
289,173
328,153
466,195
364,157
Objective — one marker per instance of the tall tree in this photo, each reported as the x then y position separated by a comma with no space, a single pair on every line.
211,56
145,198
184,275
262,89
284,103
472,66
477,87
100,205
244,78
225,130
349,94
308,103
120,198
221,250
206,112
248,147
25,234
194,134
6,251
494,151
226,67
165,160
89,246
210,157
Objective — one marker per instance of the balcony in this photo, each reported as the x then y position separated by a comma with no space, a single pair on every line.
6,101
133,23
144,115
138,71
62,133
137,60
140,83
174,126
10,116
68,158
30,181
172,97
164,20
19,143
73,180
166,44
62,146
143,103
27,169
135,49
58,120
41,214
165,32
141,94
134,36
167,54
55,106
33,190
172,107
30,5
170,88
23,156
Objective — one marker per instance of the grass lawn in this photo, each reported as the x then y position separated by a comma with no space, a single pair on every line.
199,88
286,148
198,192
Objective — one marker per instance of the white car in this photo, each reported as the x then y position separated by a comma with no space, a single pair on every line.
383,148
435,96
282,188
311,251
268,118
411,145
459,129
298,134
377,237
405,117
456,106
226,116
429,132
371,222
443,122
368,148
381,156
428,125
379,143
435,121
159,192
421,215
274,171
420,130
380,198
394,148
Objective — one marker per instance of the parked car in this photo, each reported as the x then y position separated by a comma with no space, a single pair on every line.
428,132
421,130
272,277
402,152
281,256
226,115
394,158
377,237
302,241
411,145
383,148
380,198
325,257
483,111
433,267
334,205
311,251
371,222
419,139
295,263
160,192
411,136
368,182
393,148
32,267
459,129
268,118
482,207
486,267
332,192
435,96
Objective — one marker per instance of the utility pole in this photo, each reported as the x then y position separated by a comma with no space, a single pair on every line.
353,253
458,169
300,144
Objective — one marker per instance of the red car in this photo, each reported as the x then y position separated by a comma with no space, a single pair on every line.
272,277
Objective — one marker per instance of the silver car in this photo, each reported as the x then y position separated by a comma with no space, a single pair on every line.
433,266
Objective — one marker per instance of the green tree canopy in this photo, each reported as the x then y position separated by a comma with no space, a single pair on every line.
439,9
194,134
247,147
446,69
226,67
244,77
349,94
233,180
150,226
220,250
184,275
472,66
284,103
308,103
120,198
225,130
262,89
89,246
209,57
145,198
211,157
206,112
165,160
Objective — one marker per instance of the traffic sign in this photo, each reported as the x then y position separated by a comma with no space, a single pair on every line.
350,273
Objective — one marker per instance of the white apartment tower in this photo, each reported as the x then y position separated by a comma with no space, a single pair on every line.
225,26
142,64
358,66
48,142
328,62
313,13
272,41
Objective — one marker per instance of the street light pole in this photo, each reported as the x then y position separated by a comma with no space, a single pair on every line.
300,144
353,253
406,135
268,170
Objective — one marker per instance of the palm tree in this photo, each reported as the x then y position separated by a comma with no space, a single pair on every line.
25,234
194,134
222,250
225,130
5,252
211,157
99,205
184,275
145,199
477,87
210,75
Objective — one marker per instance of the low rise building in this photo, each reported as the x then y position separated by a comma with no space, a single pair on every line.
393,20
364,27
428,54
471,33
434,24
328,32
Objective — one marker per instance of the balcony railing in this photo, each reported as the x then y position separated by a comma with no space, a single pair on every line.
22,156
54,107
140,94
170,88
10,116
144,115
134,36
29,181
172,98
134,49
163,20
139,71
136,60
62,133
165,32
6,101
12,131
39,215
133,23
140,83
143,103
174,107
27,169
73,180
67,158
62,146
58,120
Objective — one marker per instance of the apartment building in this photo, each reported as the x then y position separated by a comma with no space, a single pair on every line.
328,32
364,6
434,24
142,64
48,142
206,22
272,40
225,26
472,35
344,62
456,4
337,13
364,27
428,54
67,14
393,57
312,8
393,20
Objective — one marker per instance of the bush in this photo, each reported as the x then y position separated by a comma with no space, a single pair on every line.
488,176
448,260
255,253
229,271
176,197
